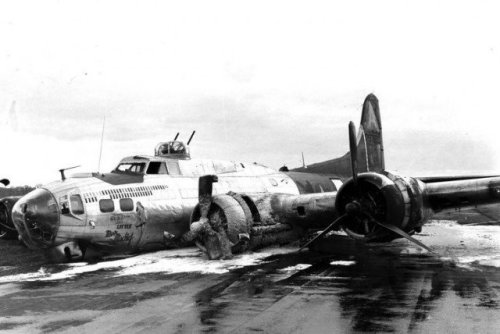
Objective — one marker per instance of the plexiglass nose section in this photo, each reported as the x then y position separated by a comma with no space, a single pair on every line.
36,218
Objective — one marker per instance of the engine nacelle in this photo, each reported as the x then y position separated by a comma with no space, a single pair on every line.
385,197
253,221
7,229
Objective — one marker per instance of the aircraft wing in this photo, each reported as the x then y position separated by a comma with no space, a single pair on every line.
462,193
432,179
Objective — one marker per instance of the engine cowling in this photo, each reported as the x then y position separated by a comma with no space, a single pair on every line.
383,197
7,229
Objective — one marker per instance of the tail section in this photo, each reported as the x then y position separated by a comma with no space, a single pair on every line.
370,152
370,132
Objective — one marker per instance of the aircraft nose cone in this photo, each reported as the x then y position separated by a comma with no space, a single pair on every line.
36,218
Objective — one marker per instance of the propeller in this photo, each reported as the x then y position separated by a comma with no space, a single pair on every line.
200,227
403,234
205,188
354,209
354,168
176,136
359,209
208,230
325,231
353,148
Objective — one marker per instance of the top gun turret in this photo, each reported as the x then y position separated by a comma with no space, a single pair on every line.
174,149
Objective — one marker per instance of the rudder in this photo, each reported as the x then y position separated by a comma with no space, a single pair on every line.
370,156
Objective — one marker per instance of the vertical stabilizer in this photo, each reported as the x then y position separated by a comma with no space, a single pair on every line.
370,148
370,135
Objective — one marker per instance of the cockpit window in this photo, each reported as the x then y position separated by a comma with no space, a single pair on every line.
76,204
157,167
106,205
133,167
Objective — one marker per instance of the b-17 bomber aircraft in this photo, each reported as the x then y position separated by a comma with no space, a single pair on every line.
169,200
147,203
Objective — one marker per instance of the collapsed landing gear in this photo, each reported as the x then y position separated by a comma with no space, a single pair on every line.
67,252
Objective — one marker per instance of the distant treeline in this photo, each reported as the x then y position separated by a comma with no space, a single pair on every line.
15,191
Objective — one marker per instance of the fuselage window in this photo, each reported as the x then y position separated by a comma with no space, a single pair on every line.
173,168
106,205
126,204
76,205
157,167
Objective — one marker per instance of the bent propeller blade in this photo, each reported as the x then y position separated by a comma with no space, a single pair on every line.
353,148
205,187
402,233
325,231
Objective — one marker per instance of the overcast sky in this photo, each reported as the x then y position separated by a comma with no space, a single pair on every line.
258,81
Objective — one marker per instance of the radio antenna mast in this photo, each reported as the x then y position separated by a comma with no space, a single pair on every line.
102,141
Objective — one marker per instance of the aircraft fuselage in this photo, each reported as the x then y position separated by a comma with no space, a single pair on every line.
130,209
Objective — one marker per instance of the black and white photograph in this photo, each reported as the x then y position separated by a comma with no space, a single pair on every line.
249,166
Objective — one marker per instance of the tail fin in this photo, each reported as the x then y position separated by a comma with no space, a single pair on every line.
370,146
370,131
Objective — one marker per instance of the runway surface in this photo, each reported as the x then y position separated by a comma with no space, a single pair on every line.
377,288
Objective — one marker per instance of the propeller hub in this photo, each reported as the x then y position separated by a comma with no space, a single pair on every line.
353,208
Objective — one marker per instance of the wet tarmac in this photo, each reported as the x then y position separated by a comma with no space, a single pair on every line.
359,288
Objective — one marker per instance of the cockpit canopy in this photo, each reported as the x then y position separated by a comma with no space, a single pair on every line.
131,167
173,149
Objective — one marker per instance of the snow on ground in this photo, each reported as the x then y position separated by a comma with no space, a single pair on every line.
167,261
